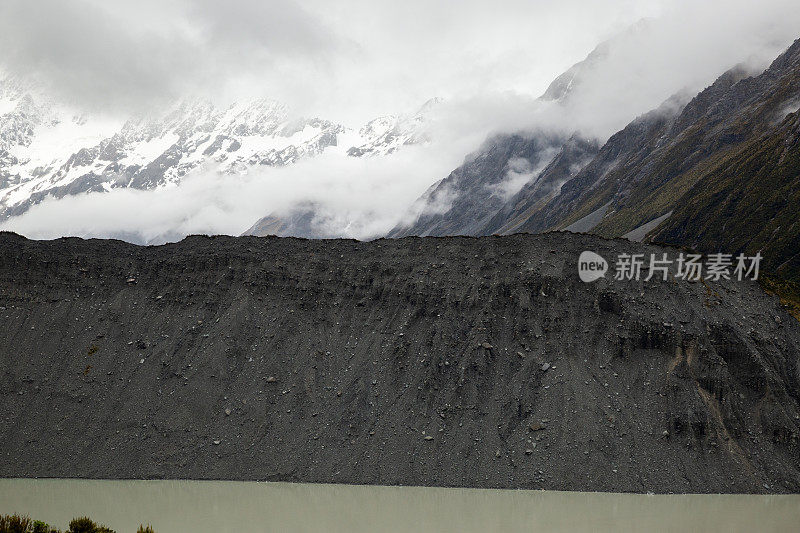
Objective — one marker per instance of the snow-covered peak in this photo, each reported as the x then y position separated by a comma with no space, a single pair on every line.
48,149
388,133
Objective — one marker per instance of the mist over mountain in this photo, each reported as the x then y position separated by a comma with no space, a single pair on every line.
196,140
717,172
48,152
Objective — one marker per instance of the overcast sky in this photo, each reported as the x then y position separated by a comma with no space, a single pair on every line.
352,60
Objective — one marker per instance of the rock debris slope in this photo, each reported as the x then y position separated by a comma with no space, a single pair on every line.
462,361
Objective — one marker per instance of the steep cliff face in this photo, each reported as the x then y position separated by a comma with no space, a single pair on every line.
658,162
454,361
465,201
508,179
524,207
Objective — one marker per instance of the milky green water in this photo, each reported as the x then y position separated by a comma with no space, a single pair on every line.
220,506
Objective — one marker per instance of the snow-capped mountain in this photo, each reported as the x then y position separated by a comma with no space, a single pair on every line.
45,149
388,133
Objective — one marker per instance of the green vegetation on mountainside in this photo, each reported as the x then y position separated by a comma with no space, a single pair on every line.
748,202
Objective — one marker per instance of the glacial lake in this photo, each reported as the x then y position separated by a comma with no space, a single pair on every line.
221,506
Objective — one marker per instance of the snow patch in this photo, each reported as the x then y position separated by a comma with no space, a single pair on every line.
148,151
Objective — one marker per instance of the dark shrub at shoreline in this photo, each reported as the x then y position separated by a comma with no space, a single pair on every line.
22,524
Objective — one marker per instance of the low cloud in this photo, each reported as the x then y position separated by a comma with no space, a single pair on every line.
359,198
685,49
348,60
520,173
